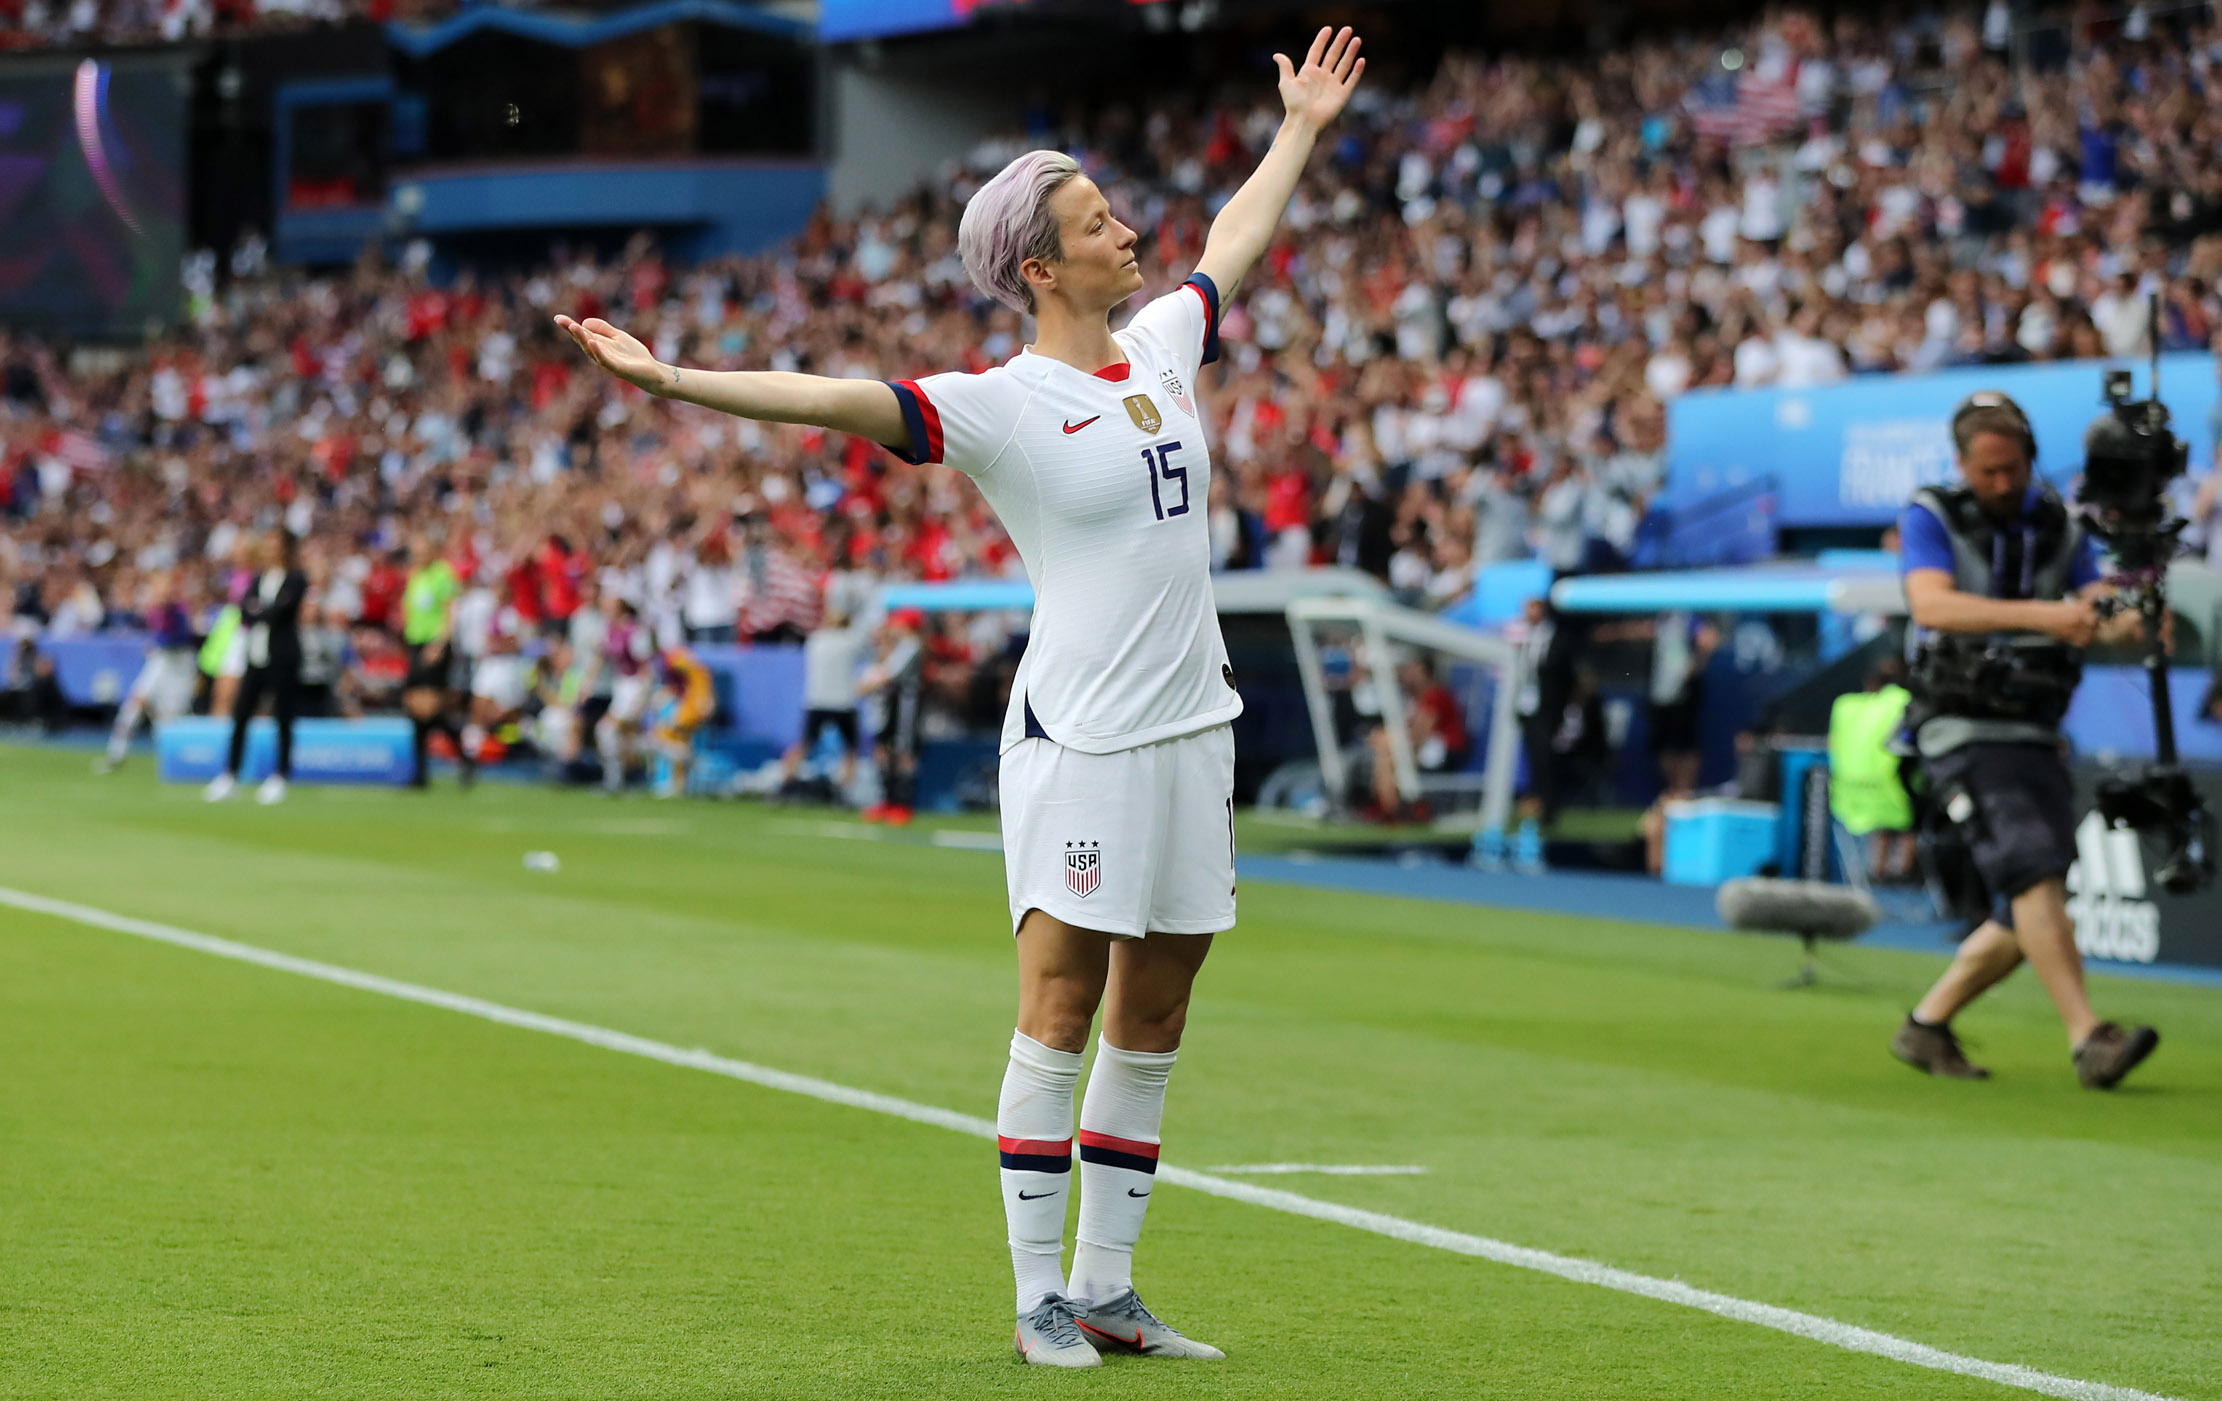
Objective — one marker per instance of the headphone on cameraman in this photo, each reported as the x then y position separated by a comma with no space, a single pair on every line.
1993,399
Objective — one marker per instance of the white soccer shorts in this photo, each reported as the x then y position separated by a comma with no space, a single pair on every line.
1132,843
629,697
501,679
166,683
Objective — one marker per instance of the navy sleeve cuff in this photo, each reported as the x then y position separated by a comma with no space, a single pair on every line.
923,423
1210,293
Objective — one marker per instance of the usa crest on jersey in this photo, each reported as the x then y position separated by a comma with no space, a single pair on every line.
1083,867
1177,392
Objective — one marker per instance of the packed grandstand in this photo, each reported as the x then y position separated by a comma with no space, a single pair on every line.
1460,353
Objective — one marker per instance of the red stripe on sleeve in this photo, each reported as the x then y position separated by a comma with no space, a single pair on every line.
1208,314
1036,1147
1135,1146
933,419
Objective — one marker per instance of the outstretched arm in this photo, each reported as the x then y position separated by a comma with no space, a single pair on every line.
864,407
1313,95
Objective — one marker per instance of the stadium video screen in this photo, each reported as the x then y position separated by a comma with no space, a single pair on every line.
92,195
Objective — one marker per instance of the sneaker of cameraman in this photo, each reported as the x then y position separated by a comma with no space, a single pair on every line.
1999,567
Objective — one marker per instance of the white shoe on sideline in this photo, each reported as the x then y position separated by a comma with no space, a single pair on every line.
219,788
271,791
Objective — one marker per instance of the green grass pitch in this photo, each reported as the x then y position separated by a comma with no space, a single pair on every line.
220,1180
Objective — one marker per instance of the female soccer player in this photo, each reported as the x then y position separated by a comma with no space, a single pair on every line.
1118,761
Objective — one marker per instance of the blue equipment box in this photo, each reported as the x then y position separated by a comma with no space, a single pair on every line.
1710,840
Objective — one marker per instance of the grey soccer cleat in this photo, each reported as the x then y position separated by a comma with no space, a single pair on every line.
1127,1324
1048,1337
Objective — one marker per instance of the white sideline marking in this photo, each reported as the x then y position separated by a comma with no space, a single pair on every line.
1327,1169
1804,1325
955,837
968,841
847,831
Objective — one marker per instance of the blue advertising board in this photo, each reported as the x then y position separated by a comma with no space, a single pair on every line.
1850,454
192,750
841,20
96,668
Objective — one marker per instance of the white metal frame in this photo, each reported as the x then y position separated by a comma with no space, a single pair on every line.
1381,623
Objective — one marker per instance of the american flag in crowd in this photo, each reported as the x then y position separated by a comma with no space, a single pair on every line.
1745,109
776,589
79,451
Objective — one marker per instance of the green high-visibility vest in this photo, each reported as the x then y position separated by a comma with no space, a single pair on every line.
219,640
424,601
1864,791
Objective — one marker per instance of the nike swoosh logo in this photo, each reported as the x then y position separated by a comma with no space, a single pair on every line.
1134,1342
1037,1196
1076,427
1132,1193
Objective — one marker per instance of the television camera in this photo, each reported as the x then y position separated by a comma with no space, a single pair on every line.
2129,459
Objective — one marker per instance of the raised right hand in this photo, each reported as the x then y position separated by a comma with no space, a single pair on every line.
620,354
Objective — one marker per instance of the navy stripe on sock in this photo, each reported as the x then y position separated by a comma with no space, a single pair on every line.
1112,1157
1035,1162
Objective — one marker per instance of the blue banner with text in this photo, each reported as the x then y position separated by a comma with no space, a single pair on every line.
375,751
1850,454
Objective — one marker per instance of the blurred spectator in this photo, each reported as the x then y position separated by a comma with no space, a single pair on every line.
1435,722
831,660
1865,792
32,694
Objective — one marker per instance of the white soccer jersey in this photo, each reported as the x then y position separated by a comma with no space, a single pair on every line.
1102,482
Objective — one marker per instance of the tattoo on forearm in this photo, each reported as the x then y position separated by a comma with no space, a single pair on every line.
674,374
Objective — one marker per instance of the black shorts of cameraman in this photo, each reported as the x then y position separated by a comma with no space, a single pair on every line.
2017,803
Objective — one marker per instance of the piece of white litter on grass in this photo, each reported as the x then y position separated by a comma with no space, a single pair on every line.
1329,1169
542,861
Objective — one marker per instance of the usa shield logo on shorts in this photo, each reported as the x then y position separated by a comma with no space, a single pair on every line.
1083,867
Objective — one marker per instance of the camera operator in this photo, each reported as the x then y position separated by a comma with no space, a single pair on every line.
2002,582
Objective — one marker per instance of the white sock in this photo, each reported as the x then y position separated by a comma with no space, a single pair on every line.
1119,1122
119,737
610,744
1033,1133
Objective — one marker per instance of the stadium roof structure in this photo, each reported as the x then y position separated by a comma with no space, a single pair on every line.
578,30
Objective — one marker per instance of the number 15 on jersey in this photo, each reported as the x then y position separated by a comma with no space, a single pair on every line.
1157,460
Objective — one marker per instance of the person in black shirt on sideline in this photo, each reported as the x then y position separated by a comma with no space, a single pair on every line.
270,613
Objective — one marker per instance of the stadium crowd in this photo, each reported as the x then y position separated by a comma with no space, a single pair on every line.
37,24
1460,354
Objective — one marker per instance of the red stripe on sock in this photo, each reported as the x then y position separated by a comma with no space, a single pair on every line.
1037,1147
1136,1146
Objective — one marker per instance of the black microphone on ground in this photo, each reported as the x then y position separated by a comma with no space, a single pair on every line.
1813,910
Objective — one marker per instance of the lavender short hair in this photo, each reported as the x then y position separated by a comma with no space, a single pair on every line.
1009,221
